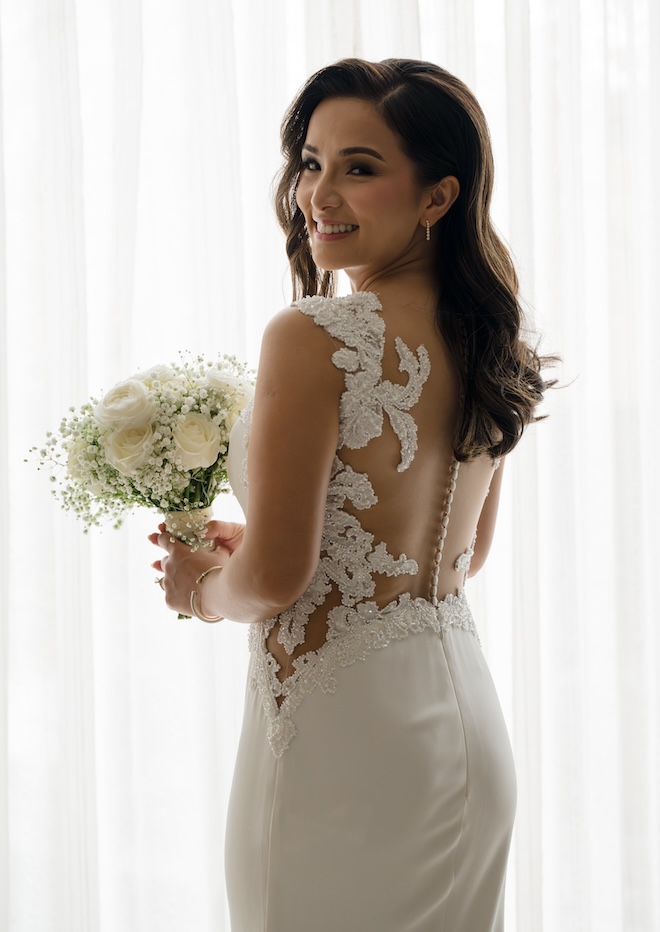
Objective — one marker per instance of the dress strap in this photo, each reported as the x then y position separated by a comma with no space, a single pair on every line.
444,524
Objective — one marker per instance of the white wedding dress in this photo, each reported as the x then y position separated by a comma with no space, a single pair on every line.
374,788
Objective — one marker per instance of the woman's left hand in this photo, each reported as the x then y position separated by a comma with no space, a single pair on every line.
181,567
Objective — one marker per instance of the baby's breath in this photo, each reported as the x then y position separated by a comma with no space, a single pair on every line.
160,439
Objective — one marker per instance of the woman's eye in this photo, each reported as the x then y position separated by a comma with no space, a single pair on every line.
311,165
360,170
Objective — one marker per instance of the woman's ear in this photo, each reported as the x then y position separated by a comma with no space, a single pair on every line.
441,198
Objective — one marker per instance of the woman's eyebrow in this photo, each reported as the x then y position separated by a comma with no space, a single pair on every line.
352,150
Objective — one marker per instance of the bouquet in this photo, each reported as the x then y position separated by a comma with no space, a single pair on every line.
158,439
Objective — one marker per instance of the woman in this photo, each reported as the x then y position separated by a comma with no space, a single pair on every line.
374,788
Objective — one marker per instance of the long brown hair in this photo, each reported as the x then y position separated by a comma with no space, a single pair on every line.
444,132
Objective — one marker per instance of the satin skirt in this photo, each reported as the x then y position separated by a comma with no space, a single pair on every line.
392,808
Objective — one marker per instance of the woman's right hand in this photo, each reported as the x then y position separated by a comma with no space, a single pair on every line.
226,534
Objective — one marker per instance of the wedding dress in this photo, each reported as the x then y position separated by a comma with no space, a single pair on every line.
374,788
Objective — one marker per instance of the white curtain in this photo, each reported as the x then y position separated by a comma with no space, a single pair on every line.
139,138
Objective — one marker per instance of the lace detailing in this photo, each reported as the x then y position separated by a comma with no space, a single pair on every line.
368,628
246,417
353,321
350,557
465,559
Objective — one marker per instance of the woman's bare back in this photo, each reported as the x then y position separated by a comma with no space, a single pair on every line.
395,460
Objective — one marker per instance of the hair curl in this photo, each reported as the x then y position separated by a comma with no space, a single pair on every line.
444,132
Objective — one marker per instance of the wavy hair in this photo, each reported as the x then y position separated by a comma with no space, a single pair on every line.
443,131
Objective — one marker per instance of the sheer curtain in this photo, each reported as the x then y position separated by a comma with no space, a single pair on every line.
139,138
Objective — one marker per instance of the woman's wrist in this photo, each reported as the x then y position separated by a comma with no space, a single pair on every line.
195,597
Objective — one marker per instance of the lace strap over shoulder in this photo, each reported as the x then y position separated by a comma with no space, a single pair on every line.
339,315
355,321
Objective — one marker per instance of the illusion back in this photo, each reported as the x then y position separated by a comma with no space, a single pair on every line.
401,515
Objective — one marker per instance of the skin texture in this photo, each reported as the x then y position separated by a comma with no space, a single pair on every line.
268,565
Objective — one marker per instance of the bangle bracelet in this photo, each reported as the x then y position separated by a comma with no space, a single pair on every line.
193,596
211,569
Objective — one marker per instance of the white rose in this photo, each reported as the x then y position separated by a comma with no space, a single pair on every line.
128,404
128,449
161,374
197,441
239,390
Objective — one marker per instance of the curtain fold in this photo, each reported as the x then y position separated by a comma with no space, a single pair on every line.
4,548
139,139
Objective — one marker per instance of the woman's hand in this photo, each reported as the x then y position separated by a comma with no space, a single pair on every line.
181,567
226,534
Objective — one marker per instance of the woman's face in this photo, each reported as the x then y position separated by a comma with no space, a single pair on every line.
362,204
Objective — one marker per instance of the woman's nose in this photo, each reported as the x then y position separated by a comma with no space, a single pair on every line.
325,193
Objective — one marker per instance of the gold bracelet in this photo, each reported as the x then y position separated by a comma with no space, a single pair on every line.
193,595
211,569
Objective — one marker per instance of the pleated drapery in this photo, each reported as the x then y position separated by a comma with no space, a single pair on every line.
138,143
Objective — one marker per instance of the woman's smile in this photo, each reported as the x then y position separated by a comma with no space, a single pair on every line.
357,184
328,231
328,227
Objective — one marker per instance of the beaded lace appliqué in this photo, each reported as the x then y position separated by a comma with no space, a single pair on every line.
349,554
367,395
317,669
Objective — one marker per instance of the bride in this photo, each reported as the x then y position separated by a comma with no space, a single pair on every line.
374,788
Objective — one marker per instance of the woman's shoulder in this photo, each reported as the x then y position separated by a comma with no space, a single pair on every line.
294,347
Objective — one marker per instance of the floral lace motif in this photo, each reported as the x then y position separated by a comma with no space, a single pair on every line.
465,559
369,629
350,557
353,321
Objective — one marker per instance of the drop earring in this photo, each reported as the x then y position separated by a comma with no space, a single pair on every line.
428,232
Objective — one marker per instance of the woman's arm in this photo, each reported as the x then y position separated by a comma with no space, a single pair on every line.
486,523
293,440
